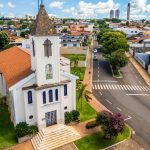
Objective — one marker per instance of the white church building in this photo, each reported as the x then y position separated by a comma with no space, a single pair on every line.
37,83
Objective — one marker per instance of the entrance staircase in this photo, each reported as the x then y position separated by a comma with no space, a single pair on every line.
54,137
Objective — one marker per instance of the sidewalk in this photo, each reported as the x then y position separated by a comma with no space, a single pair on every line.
139,68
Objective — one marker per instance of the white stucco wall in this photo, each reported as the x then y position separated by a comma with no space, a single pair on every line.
40,61
2,85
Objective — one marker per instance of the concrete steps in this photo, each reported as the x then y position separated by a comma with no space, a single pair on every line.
54,137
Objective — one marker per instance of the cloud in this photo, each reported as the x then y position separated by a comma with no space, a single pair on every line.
57,4
1,5
90,10
11,5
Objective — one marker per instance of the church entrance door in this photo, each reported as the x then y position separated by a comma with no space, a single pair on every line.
51,118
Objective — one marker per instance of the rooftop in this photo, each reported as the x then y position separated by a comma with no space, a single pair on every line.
15,65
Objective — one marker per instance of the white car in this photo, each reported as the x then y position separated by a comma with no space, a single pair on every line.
95,50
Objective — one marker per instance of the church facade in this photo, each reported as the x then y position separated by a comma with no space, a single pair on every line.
47,91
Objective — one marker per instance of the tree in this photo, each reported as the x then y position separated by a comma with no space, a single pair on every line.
2,22
64,30
83,94
113,41
113,124
117,59
4,40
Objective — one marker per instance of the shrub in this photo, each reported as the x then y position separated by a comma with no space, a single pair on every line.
113,124
103,117
23,129
68,117
75,115
91,124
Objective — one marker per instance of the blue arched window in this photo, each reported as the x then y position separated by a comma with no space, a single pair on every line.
56,94
49,71
65,90
44,97
29,97
50,96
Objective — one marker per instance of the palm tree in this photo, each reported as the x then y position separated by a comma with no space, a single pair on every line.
83,94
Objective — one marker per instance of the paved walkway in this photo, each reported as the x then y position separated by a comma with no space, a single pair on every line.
139,68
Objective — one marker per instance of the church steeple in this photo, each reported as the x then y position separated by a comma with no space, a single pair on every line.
43,26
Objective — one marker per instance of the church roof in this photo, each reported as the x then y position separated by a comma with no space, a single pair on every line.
43,26
15,65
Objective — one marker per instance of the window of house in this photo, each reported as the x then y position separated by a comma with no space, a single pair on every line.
44,97
74,45
47,48
65,90
49,71
64,45
56,94
50,96
29,97
33,47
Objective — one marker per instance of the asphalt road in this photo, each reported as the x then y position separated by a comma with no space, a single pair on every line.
129,95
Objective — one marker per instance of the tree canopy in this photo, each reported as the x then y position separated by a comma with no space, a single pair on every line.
4,40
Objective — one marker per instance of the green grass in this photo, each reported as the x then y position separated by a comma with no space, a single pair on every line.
81,57
78,72
7,133
96,141
86,112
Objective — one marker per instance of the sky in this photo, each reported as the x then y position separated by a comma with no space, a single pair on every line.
140,9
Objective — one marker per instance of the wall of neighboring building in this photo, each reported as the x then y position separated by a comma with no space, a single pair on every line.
149,69
74,50
71,44
2,85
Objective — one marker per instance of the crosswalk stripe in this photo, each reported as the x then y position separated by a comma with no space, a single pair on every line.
99,86
95,87
104,86
118,87
121,87
124,87
145,88
109,86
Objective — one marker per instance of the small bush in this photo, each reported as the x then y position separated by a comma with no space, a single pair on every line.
103,117
68,117
91,124
23,129
75,115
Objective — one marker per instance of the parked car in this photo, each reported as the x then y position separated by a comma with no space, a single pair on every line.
95,50
95,57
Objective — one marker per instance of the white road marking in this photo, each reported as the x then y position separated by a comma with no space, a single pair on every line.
118,87
109,86
136,76
119,109
95,86
108,101
127,87
124,87
101,86
121,87
115,87
109,81
100,93
98,86
137,94
129,117
104,86
133,87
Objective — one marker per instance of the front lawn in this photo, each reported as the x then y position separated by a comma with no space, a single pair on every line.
7,133
96,141
78,72
86,111
81,57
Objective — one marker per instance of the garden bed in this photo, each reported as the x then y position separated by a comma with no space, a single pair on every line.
96,141
81,57
86,111
78,72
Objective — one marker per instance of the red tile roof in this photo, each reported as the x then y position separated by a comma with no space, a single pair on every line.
15,64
